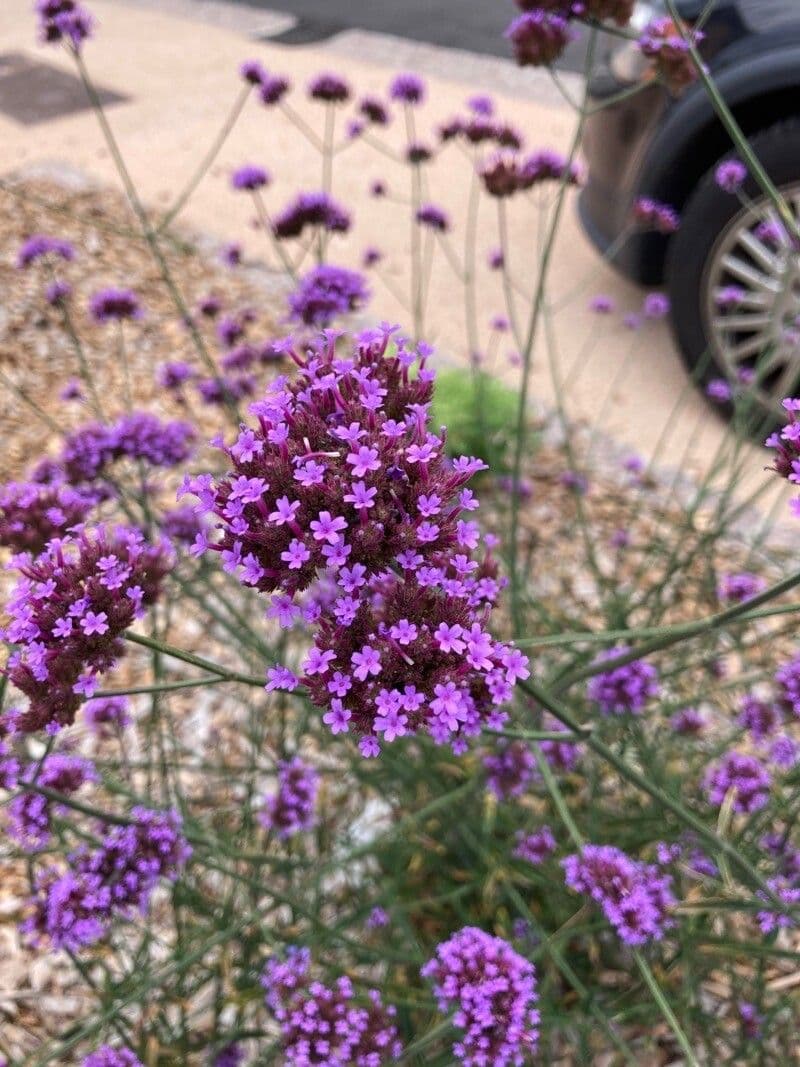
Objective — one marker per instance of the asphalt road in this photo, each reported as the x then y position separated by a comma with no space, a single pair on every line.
471,25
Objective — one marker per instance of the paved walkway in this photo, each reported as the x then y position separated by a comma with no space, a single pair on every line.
179,78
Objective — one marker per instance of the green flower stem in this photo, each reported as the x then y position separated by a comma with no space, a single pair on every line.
151,235
666,1010
557,797
165,687
672,635
189,657
427,1039
216,145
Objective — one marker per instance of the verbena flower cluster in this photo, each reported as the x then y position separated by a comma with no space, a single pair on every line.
635,897
107,1056
30,812
625,689
326,1024
493,991
67,614
291,809
510,769
89,450
326,293
32,513
63,20
75,908
663,42
343,475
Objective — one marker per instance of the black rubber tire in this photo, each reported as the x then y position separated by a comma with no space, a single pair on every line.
706,214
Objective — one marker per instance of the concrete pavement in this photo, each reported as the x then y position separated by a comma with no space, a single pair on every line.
179,77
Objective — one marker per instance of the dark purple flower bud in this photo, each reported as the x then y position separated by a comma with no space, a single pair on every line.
417,153
662,42
63,20
374,110
377,188
314,210
273,89
500,175
329,88
115,305
736,588
250,177
689,722
434,217
656,306
253,71
538,37
370,257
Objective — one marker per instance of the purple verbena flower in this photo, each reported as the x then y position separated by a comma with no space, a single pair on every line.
730,175
653,214
670,52
688,722
536,847
433,217
115,305
63,20
325,1025
41,246
32,513
736,588
325,293
493,990
509,770
250,177
538,37
29,813
407,89
329,88
107,716
291,809
311,210
625,689
635,897
68,611
743,773
106,1056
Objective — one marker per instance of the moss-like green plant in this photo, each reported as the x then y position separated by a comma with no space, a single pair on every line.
480,414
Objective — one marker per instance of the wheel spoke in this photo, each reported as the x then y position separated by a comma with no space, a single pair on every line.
743,323
759,251
751,347
748,274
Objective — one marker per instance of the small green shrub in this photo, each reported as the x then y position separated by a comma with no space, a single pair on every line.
480,414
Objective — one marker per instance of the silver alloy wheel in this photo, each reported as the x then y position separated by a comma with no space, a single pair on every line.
751,300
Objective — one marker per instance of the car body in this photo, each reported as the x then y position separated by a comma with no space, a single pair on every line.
651,144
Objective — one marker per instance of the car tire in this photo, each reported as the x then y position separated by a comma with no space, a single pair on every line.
705,218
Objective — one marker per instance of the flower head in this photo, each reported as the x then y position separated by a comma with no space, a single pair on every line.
730,175
32,513
64,20
329,88
743,773
250,177
311,210
325,293
325,1025
115,305
493,989
291,809
624,689
106,1056
635,897
509,770
68,611
407,89
41,246
538,37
